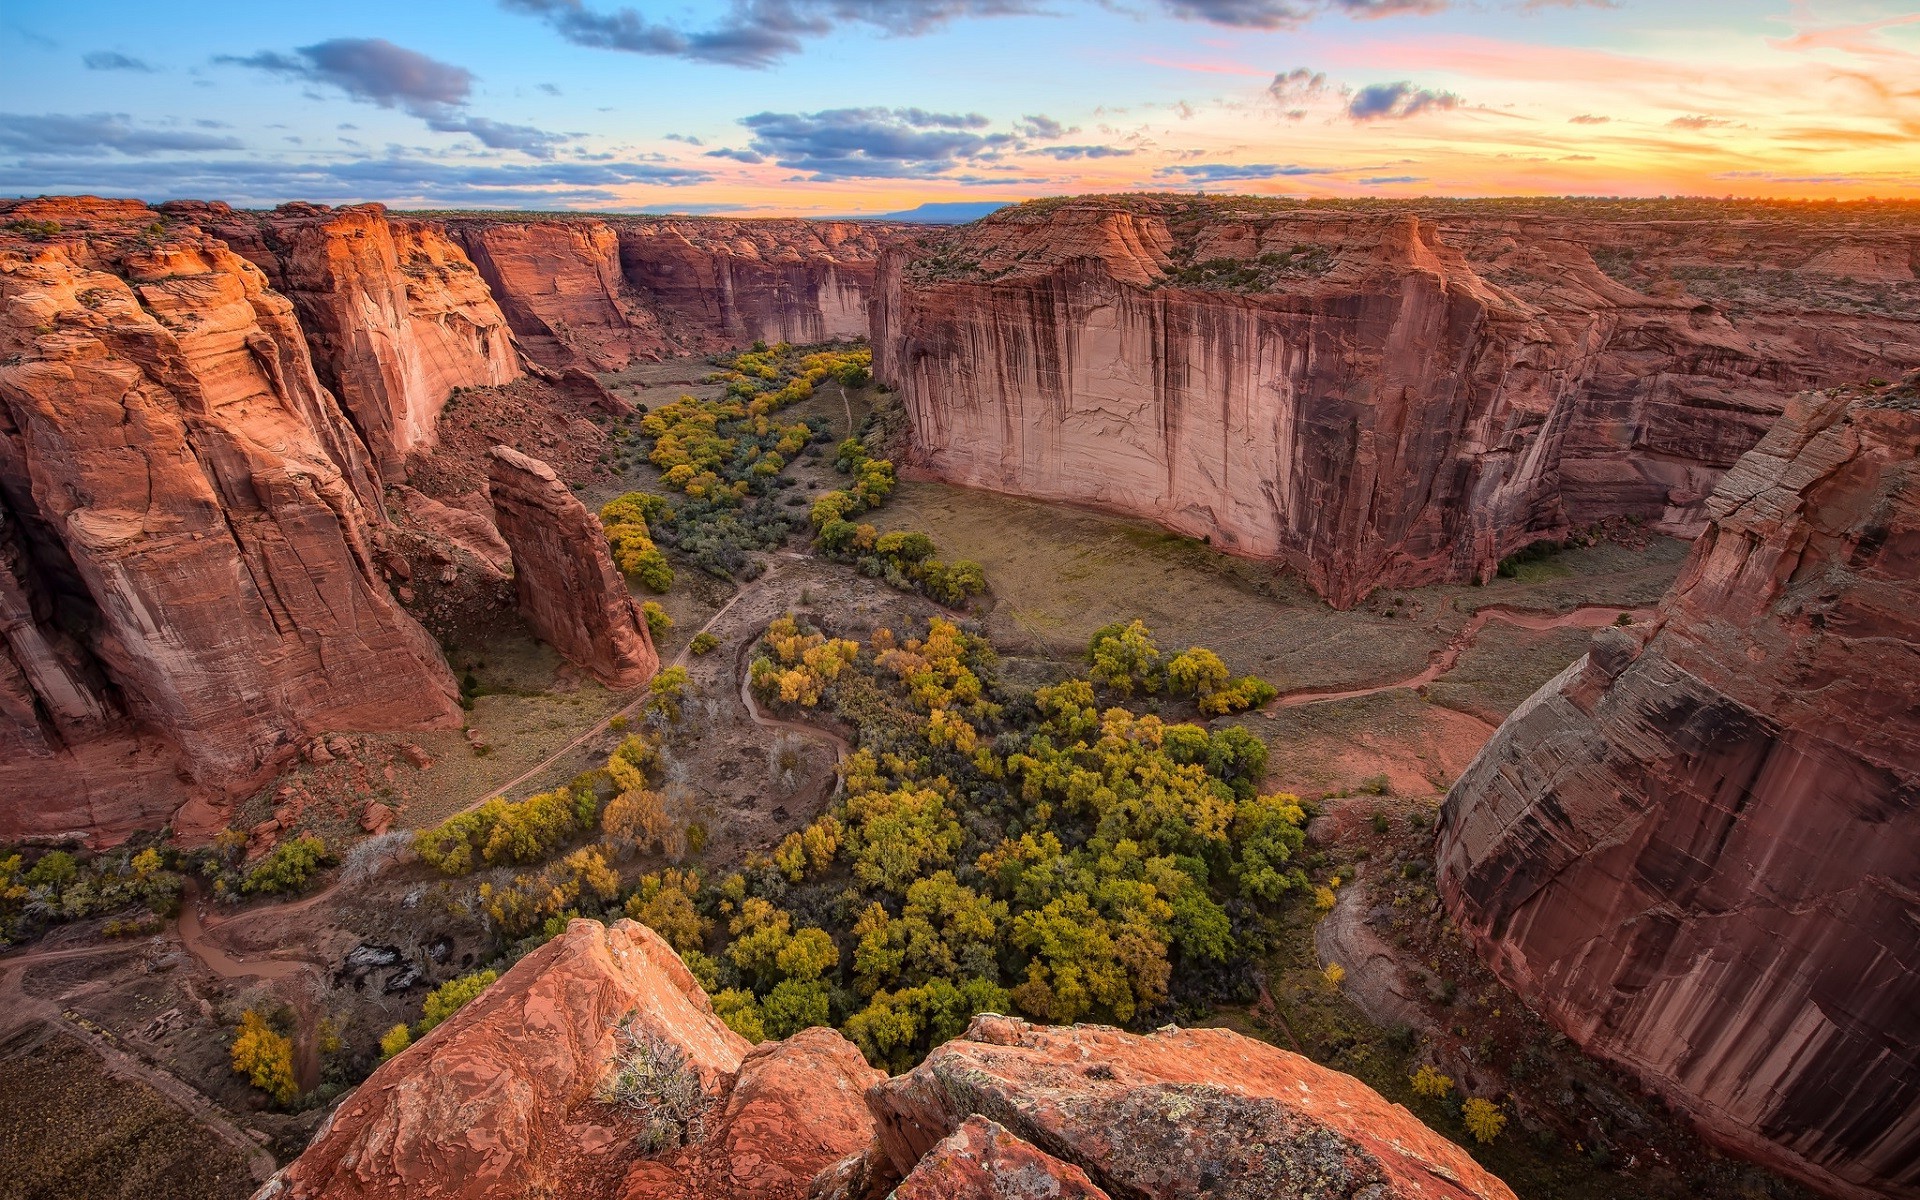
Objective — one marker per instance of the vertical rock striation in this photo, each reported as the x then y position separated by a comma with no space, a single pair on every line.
187,528
560,286
1376,400
1698,850
564,576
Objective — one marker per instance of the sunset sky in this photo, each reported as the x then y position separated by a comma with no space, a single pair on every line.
868,106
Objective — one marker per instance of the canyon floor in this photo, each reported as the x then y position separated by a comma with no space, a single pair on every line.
1381,707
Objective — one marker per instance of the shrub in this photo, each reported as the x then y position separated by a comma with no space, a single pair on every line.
703,643
668,689
290,867
653,1079
451,996
1483,1120
629,521
394,1040
1429,1082
658,622
265,1057
740,1012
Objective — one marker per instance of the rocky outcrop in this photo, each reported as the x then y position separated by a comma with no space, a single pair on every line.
188,523
1697,851
797,1107
498,1102
982,1161
560,286
563,574
1374,398
395,314
1145,1115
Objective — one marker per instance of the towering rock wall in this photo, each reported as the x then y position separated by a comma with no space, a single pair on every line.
727,283
560,286
1698,851
186,521
563,574
1376,399
395,314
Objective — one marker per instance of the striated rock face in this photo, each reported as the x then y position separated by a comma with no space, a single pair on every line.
721,283
1144,1115
1698,850
1376,399
395,314
560,286
186,525
498,1102
564,576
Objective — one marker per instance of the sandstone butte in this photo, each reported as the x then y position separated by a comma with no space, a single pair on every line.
500,1102
187,521
1697,850
1378,397
563,575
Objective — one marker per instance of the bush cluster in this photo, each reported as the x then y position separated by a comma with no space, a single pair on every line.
628,520
61,886
1123,658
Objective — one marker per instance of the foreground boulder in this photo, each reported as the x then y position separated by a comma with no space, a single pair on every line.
498,1102
1181,1112
1697,851
510,1098
563,575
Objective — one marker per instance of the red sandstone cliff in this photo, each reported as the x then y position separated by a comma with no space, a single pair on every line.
394,313
500,1102
1698,850
1376,398
185,521
563,573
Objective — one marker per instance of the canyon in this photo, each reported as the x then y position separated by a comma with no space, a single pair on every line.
1695,850
1377,397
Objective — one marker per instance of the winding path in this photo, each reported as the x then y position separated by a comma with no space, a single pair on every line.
1587,616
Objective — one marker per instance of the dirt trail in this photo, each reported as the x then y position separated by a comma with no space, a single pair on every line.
1587,616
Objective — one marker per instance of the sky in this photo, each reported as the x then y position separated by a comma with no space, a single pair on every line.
847,107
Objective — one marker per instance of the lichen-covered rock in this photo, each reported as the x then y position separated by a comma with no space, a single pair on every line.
1698,850
797,1107
1376,400
1181,1112
982,1161
563,574
498,1102
189,527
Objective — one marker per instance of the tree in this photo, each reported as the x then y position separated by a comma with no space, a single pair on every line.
394,1040
1483,1119
1196,671
447,999
1124,658
265,1057
289,868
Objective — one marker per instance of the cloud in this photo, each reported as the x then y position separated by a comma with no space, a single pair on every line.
1042,128
1228,172
1588,119
688,138
872,143
1291,89
1072,153
745,156
113,60
1698,122
393,179
1397,101
1284,14
93,133
375,71
1376,179
754,33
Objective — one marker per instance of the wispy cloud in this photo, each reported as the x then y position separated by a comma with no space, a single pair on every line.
113,60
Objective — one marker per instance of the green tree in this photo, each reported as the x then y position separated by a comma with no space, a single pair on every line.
451,996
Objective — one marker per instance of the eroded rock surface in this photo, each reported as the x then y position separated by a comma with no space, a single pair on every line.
1375,398
1181,1112
396,315
188,526
498,1102
1698,850
982,1161
563,574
